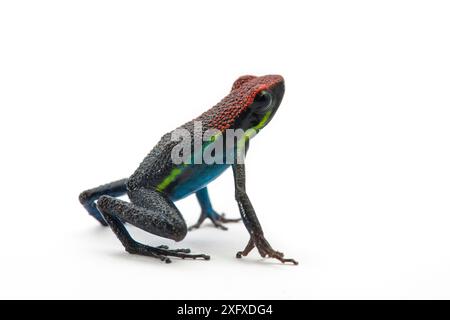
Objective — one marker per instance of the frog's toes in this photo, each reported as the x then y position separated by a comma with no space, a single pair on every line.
217,219
226,220
163,252
218,224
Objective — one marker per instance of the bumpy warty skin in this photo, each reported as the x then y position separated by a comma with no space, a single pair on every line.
166,223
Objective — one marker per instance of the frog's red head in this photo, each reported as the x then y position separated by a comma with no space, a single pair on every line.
251,103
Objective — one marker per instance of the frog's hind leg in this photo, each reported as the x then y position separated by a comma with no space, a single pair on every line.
150,211
209,213
88,197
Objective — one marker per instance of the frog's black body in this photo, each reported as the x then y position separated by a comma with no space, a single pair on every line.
157,166
158,181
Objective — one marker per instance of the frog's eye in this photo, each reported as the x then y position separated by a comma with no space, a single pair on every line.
263,101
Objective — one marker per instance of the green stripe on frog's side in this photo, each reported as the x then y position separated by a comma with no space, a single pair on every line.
167,180
241,146
177,170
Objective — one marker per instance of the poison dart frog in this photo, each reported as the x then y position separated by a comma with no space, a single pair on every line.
159,181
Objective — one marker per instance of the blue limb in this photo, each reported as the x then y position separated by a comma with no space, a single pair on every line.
209,213
89,197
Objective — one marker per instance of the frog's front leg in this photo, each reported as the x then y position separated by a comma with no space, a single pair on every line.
251,222
209,213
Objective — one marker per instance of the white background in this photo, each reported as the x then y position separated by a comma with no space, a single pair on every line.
352,177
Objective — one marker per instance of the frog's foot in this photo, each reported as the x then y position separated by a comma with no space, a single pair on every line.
264,249
174,250
217,219
163,252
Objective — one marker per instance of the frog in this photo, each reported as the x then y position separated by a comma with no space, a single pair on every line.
160,181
